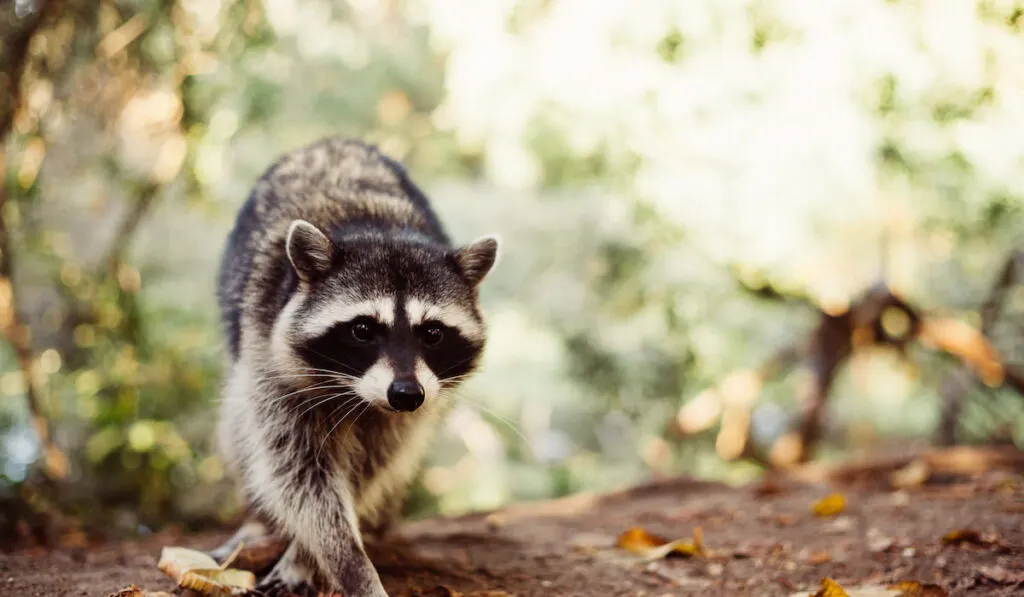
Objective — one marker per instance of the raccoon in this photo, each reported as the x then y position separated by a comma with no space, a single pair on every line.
350,318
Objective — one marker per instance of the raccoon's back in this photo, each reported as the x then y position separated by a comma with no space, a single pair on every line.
337,185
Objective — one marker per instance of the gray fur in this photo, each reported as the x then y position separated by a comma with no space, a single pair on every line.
317,455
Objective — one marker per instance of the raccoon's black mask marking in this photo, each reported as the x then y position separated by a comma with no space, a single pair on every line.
358,265
339,350
352,347
453,356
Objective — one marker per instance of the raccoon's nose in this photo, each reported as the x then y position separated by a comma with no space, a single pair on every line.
405,395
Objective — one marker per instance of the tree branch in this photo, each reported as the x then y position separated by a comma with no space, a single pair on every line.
16,59
129,225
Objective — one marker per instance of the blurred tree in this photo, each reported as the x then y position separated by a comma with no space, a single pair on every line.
804,148
122,73
683,186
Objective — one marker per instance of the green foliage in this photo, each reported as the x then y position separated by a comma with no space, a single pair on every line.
639,159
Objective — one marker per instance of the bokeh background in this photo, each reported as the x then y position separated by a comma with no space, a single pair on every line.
686,191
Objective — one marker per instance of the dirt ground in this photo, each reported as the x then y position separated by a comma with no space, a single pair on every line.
760,539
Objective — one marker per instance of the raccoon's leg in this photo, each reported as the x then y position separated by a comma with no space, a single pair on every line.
308,496
250,530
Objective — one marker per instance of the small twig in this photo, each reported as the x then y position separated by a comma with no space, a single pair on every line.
953,392
997,295
231,557
129,226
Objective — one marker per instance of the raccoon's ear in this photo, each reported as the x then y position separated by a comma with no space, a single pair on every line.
477,258
309,250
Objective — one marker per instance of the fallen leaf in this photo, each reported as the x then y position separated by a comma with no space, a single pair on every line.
879,544
785,520
199,572
134,591
970,537
841,524
913,475
962,536
496,520
819,557
877,541
176,560
768,488
1001,575
912,588
831,505
637,540
830,588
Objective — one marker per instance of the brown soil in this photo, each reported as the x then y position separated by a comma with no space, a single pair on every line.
761,539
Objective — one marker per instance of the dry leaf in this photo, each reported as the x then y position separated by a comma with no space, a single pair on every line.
969,536
832,505
496,520
637,540
1001,575
819,557
913,475
879,544
134,591
785,520
199,572
768,488
912,588
830,588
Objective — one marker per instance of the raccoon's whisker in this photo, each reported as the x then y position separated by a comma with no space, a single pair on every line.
460,363
319,399
309,408
338,422
454,380
368,406
326,400
335,410
510,424
352,408
329,384
333,360
303,375
343,376
314,370
325,385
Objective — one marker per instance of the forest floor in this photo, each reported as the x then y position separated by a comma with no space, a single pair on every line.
950,521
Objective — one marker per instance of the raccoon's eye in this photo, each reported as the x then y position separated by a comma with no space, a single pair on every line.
432,335
362,331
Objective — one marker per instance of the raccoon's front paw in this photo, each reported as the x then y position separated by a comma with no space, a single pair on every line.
287,579
273,587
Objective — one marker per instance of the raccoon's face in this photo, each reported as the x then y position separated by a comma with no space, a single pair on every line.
393,321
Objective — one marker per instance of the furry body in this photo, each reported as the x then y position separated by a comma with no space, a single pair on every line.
343,303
